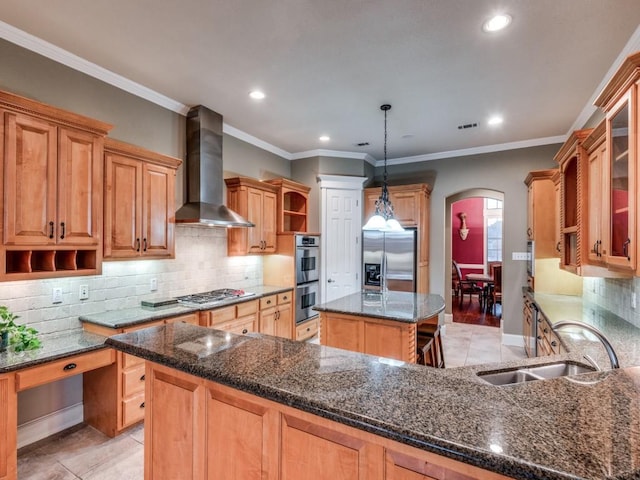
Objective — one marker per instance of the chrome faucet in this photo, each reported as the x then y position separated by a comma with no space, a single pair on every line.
605,341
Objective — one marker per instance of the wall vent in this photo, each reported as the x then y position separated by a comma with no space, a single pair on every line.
467,125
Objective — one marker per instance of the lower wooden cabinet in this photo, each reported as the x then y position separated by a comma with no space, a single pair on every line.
307,330
116,393
240,318
8,427
548,341
276,315
198,429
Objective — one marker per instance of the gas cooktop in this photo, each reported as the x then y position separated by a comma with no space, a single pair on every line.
213,296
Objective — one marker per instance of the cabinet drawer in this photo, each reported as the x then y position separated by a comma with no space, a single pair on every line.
246,308
129,361
284,298
133,410
270,301
133,381
307,330
241,325
192,318
220,315
63,368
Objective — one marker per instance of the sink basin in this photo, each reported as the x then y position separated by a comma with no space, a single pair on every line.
528,374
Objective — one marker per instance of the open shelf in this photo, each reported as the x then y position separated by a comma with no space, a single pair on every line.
50,263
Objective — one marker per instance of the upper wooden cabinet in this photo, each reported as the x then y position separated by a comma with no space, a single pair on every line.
541,212
411,205
596,151
139,202
293,202
257,202
52,190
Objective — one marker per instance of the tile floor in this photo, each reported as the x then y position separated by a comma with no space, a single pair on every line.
86,454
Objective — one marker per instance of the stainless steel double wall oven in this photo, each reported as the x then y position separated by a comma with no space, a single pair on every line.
307,275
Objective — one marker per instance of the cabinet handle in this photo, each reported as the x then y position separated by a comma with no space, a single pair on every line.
554,343
625,248
63,230
137,244
144,241
268,302
285,298
142,405
539,337
142,378
278,315
50,229
330,281
558,247
245,331
69,366
529,232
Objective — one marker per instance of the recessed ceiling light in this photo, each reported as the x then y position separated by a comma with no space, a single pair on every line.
495,120
496,23
324,138
257,95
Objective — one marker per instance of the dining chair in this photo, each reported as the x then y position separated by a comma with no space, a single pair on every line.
464,286
495,294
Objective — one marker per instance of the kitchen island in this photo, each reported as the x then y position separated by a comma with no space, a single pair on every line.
221,405
378,323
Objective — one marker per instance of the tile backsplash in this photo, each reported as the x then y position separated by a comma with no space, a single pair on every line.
201,264
615,295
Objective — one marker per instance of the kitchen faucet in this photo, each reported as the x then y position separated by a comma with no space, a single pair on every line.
605,341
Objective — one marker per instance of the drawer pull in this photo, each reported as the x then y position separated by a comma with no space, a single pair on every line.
142,405
142,378
245,331
69,366
285,298
268,302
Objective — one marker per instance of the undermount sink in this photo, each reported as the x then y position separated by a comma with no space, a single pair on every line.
527,374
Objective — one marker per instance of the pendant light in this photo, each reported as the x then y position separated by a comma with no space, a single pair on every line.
383,219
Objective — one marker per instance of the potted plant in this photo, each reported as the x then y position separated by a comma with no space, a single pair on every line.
20,337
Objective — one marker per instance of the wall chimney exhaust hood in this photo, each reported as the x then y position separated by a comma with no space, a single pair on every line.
203,169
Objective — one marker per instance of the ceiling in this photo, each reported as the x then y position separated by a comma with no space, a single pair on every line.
326,66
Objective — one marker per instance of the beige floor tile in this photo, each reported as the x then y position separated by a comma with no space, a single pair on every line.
137,433
95,458
38,466
130,467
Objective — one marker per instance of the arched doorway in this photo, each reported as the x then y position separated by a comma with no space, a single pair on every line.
452,226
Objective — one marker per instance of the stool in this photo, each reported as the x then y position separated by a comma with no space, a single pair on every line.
427,331
426,352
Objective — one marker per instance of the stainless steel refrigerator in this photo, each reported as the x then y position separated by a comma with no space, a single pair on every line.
389,260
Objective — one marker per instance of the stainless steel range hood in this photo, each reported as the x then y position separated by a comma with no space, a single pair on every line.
203,169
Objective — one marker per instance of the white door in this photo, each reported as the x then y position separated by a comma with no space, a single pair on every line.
341,220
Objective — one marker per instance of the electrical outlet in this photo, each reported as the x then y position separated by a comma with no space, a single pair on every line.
84,292
633,300
153,284
57,295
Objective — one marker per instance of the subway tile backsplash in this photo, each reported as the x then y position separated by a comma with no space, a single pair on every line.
615,295
201,264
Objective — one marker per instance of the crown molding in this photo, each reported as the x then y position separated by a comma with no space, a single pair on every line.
632,46
534,142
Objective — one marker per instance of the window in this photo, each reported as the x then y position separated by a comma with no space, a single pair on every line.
493,229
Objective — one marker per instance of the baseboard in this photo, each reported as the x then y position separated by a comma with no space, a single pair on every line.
50,424
512,340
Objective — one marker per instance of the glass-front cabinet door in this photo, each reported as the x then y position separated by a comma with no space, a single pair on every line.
621,186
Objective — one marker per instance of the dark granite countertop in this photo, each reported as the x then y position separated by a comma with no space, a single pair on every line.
54,347
396,306
129,317
556,429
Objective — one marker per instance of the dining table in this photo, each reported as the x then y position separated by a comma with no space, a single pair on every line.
487,283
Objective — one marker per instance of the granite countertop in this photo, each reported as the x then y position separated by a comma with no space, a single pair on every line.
396,306
53,347
129,317
556,429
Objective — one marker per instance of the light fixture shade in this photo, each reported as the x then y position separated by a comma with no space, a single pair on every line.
376,222
392,225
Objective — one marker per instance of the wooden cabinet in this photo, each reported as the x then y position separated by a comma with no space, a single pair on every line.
411,204
557,237
307,330
8,428
195,428
541,212
257,202
528,327
620,100
139,202
117,393
547,340
596,148
51,164
385,338
276,316
240,318
293,201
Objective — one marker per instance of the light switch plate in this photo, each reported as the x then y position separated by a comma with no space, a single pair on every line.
84,292
519,256
154,284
